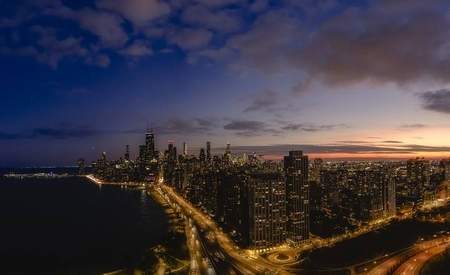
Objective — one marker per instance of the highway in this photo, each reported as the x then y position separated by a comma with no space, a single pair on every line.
414,265
411,260
240,262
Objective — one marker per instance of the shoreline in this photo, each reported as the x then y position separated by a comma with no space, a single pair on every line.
162,251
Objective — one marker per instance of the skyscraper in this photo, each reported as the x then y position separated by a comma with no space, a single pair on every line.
228,149
208,151
418,177
267,210
227,155
170,162
150,145
142,153
232,204
127,152
315,171
185,150
297,196
445,167
390,195
373,191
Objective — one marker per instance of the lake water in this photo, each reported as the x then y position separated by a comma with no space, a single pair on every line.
71,226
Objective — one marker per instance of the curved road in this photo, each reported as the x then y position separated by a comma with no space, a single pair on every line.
412,260
414,265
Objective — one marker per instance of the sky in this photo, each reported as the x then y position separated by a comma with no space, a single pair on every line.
337,79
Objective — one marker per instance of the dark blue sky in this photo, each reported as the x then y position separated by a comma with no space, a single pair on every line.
82,77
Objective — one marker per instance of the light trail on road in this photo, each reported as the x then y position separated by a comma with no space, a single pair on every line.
412,259
239,261
414,265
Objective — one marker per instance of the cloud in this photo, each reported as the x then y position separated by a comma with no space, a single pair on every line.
388,41
247,125
223,20
264,46
392,141
53,50
438,101
106,26
9,136
140,12
179,126
63,133
259,5
52,133
206,122
312,127
100,60
370,142
330,41
256,128
250,128
413,126
263,101
19,51
313,8
283,149
137,49
219,3
302,86
354,141
384,41
189,38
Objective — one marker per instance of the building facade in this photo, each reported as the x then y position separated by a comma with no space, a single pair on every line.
297,196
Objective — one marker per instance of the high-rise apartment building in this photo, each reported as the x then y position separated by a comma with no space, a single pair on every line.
267,209
418,177
297,196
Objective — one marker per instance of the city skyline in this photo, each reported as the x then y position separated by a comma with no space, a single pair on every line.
335,79
280,209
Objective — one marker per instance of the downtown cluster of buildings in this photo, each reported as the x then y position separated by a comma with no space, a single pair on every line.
346,195
262,203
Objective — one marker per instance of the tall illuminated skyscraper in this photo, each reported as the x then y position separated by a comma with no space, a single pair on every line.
227,155
208,151
418,176
185,150
297,196
150,145
267,210
127,152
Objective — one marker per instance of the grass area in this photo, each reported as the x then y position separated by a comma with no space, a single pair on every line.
438,266
397,235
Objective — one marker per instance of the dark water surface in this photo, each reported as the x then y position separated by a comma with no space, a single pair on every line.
71,226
